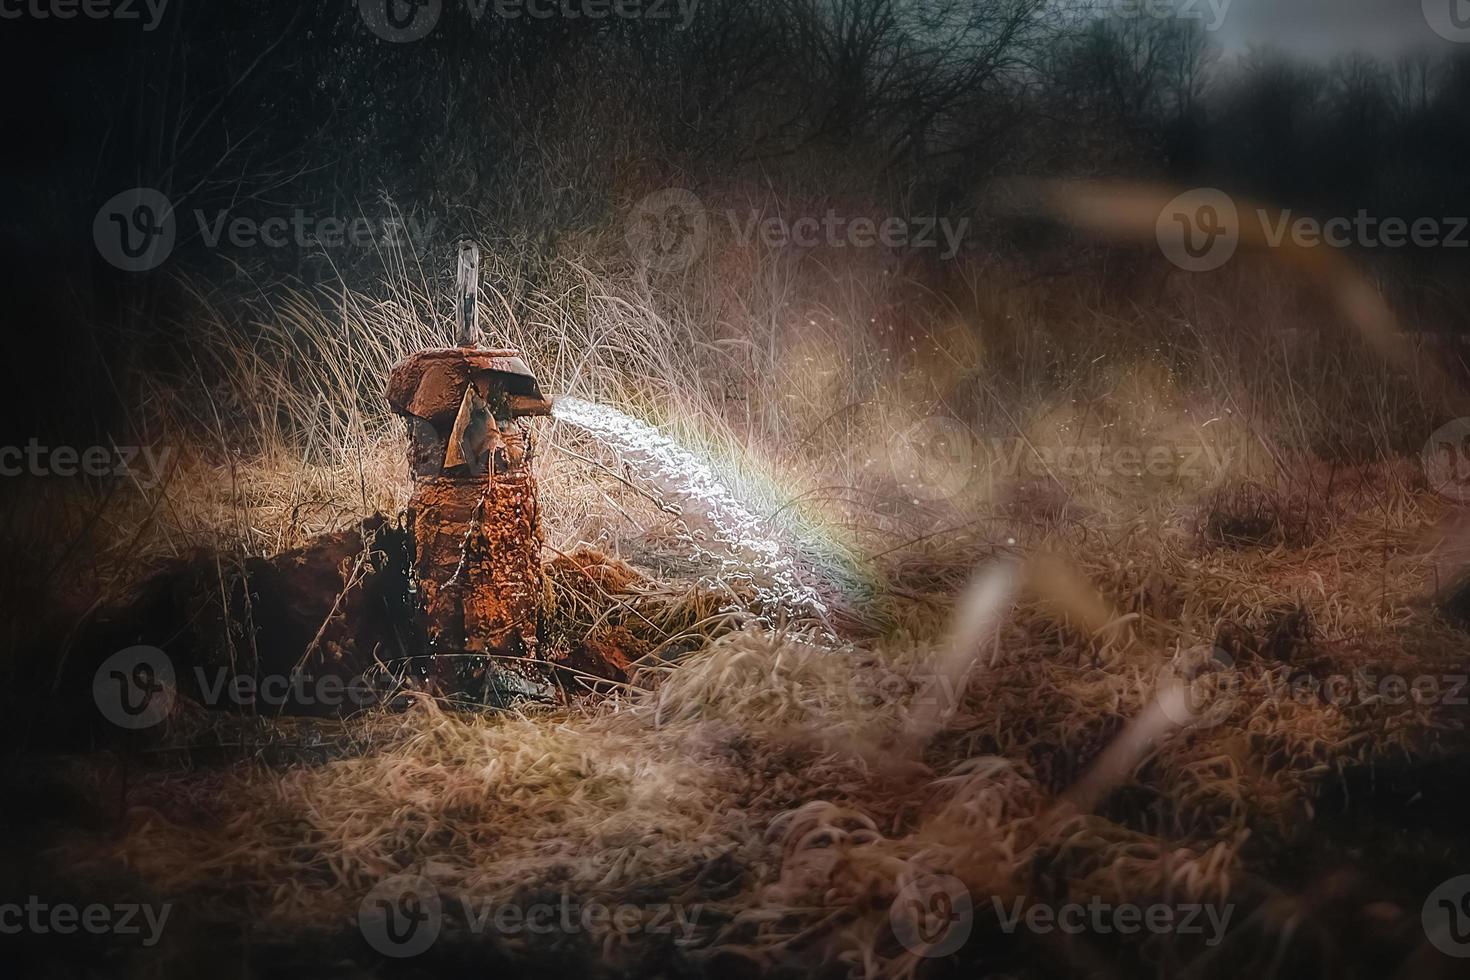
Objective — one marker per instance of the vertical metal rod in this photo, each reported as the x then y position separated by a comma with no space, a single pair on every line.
467,295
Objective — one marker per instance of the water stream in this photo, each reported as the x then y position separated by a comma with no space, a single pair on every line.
748,547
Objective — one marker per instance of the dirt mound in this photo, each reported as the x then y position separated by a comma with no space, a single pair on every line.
588,571
337,614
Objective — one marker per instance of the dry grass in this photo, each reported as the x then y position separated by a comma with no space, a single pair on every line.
774,781
785,766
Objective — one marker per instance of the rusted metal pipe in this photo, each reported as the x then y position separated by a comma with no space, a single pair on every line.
467,296
473,509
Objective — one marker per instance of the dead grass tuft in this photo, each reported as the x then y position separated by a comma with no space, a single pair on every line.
1251,514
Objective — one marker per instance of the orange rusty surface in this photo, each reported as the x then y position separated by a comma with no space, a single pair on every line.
479,547
431,383
607,652
473,509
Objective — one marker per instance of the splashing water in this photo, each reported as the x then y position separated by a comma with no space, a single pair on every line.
749,547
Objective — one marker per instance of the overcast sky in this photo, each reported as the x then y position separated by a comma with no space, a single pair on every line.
1328,27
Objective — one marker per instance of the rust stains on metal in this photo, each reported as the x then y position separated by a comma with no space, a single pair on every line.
430,384
474,512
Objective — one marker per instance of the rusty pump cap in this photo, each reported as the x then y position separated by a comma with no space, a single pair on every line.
470,395
430,384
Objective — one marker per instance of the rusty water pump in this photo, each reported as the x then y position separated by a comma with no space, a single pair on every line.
473,508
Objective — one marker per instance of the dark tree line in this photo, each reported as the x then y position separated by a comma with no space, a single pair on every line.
241,104
524,129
